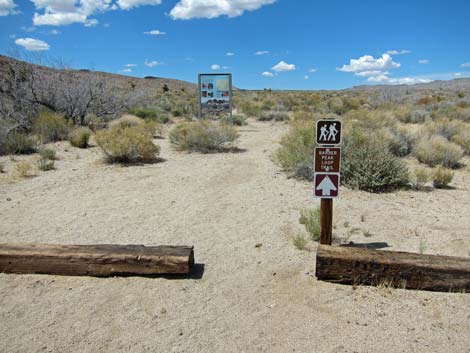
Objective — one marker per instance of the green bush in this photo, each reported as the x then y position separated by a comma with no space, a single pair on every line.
295,155
80,137
462,138
299,241
127,144
310,218
399,140
19,143
50,127
368,164
203,136
271,115
45,164
442,177
126,121
237,119
47,153
437,150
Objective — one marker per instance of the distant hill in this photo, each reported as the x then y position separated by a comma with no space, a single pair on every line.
458,84
150,84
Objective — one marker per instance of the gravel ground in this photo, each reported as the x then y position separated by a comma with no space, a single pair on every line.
245,298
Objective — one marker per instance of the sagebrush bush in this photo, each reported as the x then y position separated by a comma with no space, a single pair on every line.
399,140
19,143
299,241
445,128
203,136
80,137
50,127
48,153
442,177
296,153
45,164
237,119
437,150
462,138
421,177
127,144
310,218
417,116
24,169
369,165
150,114
126,121
273,116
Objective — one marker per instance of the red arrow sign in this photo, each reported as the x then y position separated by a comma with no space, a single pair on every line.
326,185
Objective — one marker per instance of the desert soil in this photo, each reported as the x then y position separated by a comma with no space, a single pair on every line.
257,292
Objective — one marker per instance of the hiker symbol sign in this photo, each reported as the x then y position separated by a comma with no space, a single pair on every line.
328,132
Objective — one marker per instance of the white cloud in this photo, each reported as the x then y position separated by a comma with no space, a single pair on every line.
7,7
262,52
371,73
465,65
398,52
215,67
282,66
306,77
127,70
267,74
129,4
458,74
423,61
225,67
187,9
230,54
54,32
65,12
27,29
155,32
369,63
312,70
397,81
152,63
31,44
130,65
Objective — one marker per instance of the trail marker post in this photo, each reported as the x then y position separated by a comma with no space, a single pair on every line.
327,168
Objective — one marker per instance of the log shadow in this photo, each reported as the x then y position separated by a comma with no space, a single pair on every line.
196,273
372,246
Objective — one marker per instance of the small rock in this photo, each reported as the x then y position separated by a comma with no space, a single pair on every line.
163,311
258,245
274,273
8,198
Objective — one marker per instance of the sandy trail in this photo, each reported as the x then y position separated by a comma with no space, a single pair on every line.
248,299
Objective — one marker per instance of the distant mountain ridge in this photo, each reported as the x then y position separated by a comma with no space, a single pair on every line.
456,84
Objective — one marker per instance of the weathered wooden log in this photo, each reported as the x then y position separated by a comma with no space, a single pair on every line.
391,268
95,260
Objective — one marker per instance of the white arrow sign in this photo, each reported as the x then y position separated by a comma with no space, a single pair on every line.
326,186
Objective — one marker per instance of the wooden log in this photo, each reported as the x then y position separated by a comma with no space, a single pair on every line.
95,260
391,268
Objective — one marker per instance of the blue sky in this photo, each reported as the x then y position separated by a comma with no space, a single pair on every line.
301,44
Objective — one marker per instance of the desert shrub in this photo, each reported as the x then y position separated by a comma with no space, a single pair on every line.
250,109
94,122
336,105
237,119
442,177
310,218
295,155
19,143
445,128
462,138
126,121
203,136
50,127
127,144
299,241
24,169
369,165
48,153
421,177
2,168
398,140
271,115
435,150
45,164
80,137
417,116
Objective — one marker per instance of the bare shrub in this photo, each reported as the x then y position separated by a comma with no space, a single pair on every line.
437,150
80,137
127,144
203,136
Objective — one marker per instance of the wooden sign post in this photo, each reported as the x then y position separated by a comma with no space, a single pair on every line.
327,167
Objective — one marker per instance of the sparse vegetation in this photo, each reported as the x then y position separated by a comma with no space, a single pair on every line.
203,136
80,137
24,169
273,116
127,144
310,218
48,153
19,143
421,176
299,241
237,119
45,164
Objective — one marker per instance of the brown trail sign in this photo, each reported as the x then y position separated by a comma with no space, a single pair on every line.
327,159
